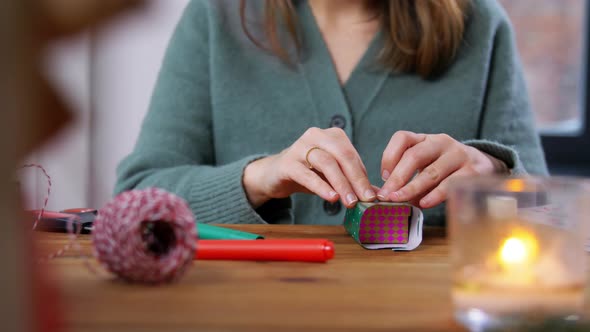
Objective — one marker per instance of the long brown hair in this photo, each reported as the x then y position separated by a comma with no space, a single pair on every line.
421,36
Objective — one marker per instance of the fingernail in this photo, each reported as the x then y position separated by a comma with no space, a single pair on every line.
385,175
397,195
351,199
383,194
425,201
332,194
369,195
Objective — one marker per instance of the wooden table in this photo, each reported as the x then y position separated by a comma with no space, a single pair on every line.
358,290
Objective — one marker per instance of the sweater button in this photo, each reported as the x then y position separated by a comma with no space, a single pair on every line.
338,121
332,209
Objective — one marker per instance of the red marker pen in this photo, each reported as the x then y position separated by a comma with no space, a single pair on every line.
302,250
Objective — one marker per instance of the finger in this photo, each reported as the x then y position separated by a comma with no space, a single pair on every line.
398,144
439,194
429,177
413,159
350,162
325,163
314,183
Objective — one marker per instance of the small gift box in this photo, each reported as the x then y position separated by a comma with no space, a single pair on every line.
382,225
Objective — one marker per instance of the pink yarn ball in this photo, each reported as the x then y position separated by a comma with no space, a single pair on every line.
145,236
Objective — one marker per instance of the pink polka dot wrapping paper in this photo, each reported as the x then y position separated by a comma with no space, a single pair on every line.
380,225
385,224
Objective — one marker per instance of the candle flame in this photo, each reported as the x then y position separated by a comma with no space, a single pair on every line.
513,251
515,185
520,249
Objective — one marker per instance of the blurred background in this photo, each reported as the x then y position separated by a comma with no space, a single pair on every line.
107,75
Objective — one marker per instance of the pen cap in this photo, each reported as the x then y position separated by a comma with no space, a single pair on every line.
303,250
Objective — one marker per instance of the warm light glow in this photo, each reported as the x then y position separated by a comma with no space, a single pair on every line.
520,249
513,251
515,185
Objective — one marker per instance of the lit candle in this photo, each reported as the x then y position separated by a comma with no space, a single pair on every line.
516,257
509,262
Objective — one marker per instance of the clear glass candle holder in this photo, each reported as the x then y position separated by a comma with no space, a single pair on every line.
517,250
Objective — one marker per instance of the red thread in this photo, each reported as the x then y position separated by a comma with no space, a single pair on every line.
46,200
117,236
72,241
72,236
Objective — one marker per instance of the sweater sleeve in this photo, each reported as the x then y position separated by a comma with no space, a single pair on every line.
175,148
507,129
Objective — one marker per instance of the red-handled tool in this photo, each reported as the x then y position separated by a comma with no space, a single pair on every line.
302,250
52,221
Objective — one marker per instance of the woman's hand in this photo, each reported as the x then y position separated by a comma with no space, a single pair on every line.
335,170
436,159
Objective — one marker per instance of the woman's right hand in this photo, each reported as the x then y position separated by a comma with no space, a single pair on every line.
336,172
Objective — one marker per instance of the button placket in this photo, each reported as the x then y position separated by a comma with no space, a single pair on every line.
338,121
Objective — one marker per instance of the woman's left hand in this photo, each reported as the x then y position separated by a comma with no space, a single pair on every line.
437,159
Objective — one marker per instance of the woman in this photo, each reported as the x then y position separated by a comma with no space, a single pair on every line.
261,104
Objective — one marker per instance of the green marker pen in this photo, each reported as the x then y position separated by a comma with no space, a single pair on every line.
210,232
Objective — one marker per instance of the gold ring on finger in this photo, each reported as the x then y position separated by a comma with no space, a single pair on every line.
309,165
